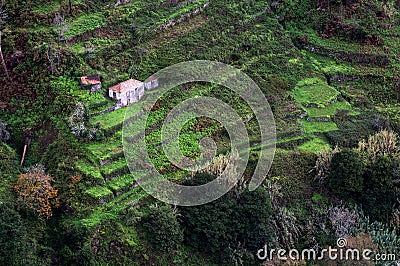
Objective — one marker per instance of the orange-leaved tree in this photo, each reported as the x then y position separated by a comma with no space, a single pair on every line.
35,191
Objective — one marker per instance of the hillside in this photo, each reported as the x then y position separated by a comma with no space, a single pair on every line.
330,73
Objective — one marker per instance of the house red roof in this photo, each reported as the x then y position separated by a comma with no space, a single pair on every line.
91,79
126,85
151,78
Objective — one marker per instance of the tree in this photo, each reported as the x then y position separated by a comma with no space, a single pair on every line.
80,125
162,228
231,228
60,159
346,173
3,23
9,171
379,194
12,236
35,191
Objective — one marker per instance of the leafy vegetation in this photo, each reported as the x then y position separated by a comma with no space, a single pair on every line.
34,190
221,227
329,70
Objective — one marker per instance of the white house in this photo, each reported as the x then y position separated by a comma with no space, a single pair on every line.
130,91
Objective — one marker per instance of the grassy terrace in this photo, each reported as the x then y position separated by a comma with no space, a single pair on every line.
112,209
121,182
90,170
86,23
115,167
314,91
337,43
94,43
333,67
106,149
99,192
315,127
330,109
116,117
184,10
319,100
315,145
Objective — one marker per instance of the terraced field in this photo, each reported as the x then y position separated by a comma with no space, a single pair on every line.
318,79
329,70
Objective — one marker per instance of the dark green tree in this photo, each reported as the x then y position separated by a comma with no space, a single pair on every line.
230,228
346,173
12,236
70,243
162,228
60,159
8,163
379,194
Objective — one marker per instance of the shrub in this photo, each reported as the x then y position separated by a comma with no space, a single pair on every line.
346,173
73,248
8,162
379,196
162,228
382,143
395,220
323,163
233,225
80,125
287,228
61,159
12,236
34,189
343,220
351,129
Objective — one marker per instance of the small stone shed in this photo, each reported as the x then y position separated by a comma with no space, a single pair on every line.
151,83
91,82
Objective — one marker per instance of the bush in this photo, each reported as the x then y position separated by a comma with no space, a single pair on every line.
351,129
61,158
323,164
71,244
8,162
382,143
346,173
35,191
230,228
80,125
12,236
162,228
379,196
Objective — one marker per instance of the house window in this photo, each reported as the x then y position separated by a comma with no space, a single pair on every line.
114,95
